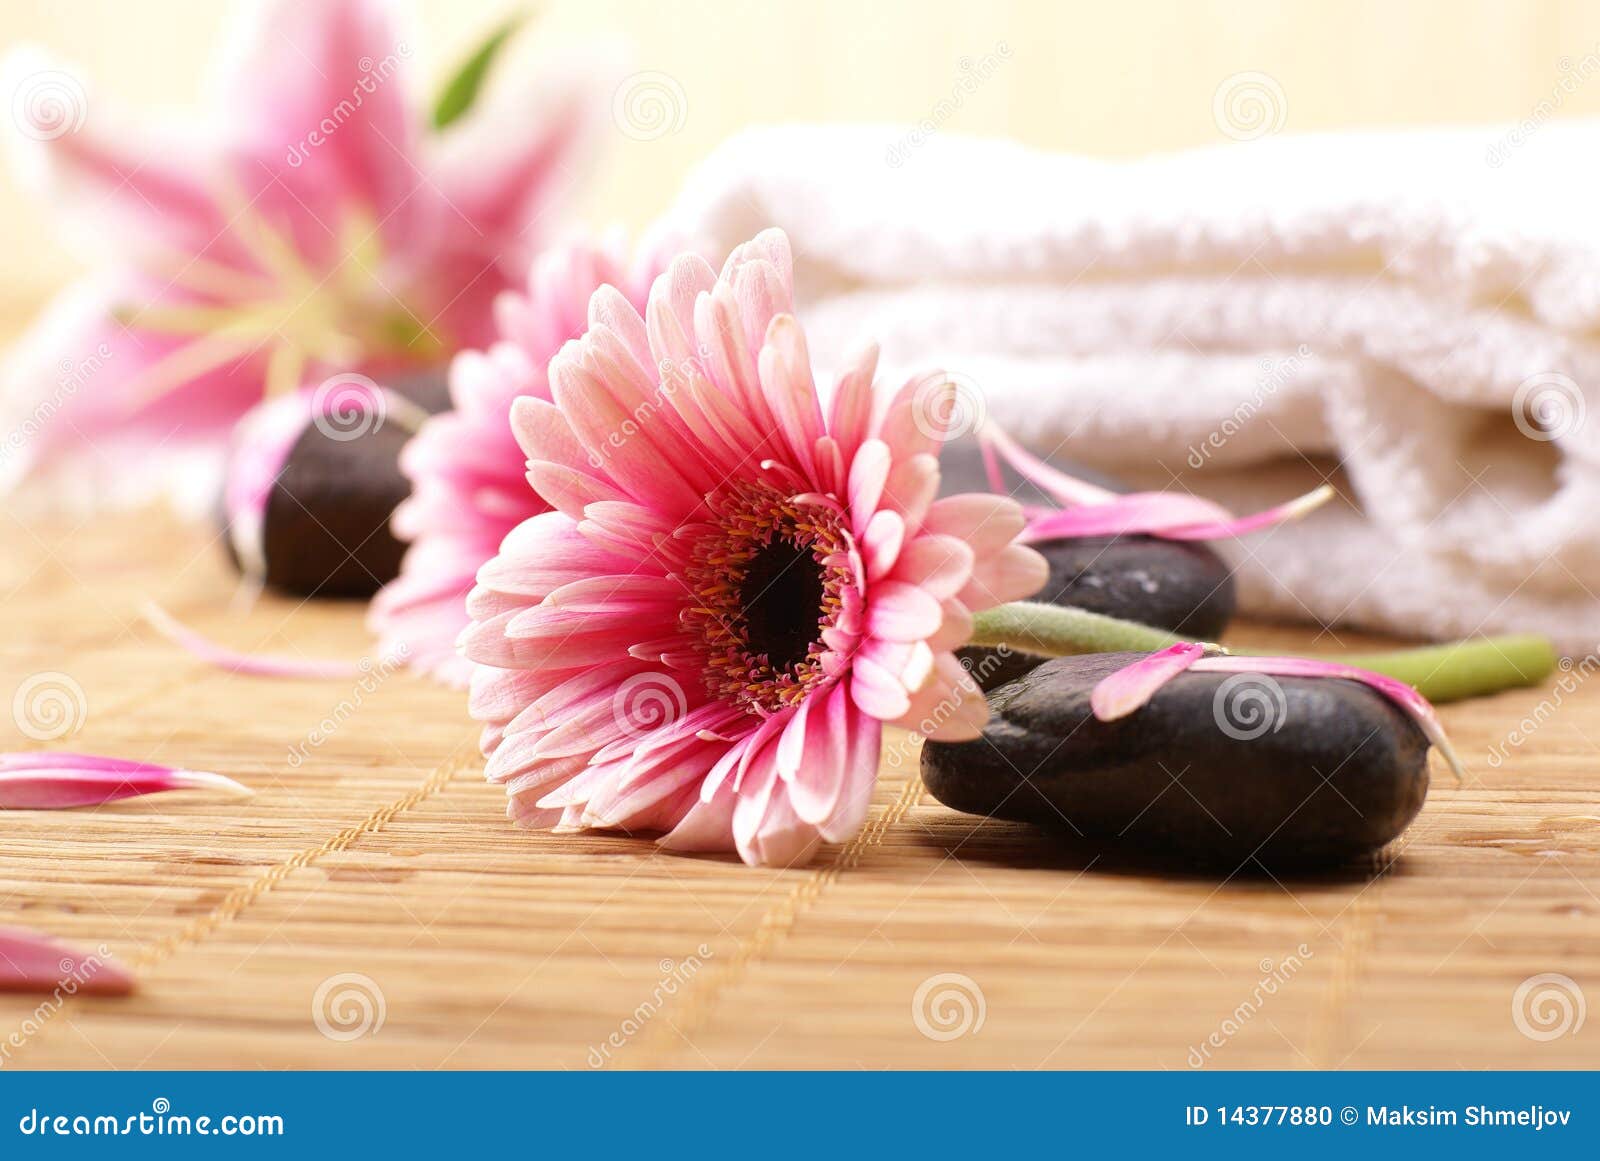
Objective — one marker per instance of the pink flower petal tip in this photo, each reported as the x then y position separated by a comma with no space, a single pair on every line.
59,781
1128,689
31,961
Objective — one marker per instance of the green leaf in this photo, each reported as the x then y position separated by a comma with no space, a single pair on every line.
462,91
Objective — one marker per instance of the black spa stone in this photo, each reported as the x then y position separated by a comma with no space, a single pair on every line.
325,531
1216,769
1179,585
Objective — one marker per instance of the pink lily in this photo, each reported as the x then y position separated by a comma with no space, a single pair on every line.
1095,511
59,781
314,226
31,961
1130,688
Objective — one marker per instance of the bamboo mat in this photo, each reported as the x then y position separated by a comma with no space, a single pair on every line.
374,875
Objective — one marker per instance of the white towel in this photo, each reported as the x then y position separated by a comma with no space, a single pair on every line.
1413,314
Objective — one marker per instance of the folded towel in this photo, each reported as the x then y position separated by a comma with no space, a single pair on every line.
1410,315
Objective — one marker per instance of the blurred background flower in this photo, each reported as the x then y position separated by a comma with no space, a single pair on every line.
317,220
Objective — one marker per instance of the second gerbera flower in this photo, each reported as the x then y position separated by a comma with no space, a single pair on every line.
738,586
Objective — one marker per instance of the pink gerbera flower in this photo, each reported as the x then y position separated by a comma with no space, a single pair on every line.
314,224
738,585
468,476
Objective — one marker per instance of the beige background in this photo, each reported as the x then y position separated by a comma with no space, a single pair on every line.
1110,79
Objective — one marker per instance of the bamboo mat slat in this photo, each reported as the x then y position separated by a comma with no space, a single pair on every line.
381,854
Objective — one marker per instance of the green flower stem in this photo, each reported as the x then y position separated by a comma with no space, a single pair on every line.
1465,669
1440,672
1059,631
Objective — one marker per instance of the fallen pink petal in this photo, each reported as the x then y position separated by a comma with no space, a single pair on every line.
31,961
62,781
1128,689
1093,511
248,664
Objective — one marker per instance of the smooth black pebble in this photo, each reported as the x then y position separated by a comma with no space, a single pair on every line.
1216,768
325,532
1179,585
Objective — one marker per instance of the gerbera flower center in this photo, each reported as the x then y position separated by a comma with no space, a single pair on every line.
769,576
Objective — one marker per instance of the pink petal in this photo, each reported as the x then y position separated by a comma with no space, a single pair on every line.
251,664
1127,689
902,612
1066,489
31,961
1172,515
850,416
1406,697
294,66
863,736
55,781
506,165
